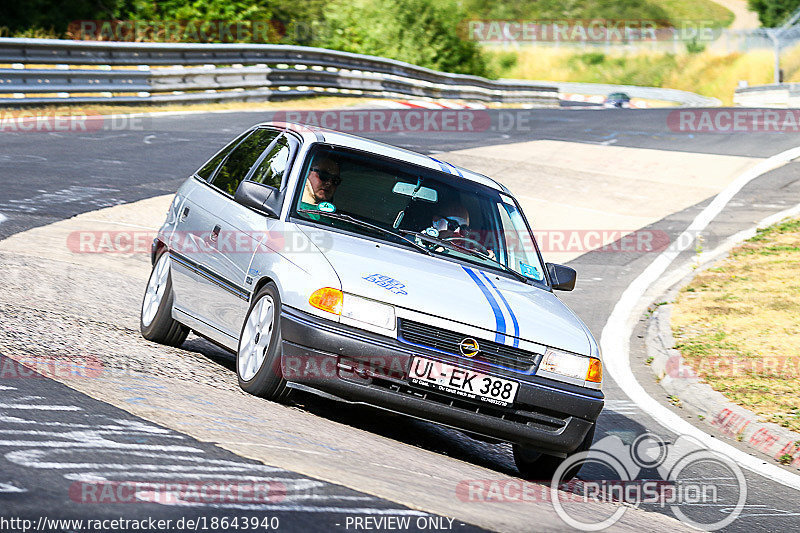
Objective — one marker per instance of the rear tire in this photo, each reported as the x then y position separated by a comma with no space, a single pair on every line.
258,356
155,320
536,466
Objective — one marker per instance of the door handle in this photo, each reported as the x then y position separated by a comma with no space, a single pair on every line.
185,213
215,233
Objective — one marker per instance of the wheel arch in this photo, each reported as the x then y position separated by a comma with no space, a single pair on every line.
155,249
260,285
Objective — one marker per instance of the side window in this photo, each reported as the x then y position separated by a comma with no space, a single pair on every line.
211,165
270,171
241,159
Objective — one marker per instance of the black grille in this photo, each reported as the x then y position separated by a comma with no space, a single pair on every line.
490,352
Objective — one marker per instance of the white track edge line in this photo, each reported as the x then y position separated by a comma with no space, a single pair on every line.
615,338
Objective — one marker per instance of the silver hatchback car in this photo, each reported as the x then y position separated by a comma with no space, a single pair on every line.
370,274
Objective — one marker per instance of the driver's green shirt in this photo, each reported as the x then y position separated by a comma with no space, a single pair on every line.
311,207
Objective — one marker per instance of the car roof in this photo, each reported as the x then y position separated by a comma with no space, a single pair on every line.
312,134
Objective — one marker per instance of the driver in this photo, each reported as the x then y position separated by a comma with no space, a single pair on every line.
321,184
452,224
451,221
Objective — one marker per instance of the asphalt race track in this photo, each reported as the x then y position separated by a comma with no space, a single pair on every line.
48,177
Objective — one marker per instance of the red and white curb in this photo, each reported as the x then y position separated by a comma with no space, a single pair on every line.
426,104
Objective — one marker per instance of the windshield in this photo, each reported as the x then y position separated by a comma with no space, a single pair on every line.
447,215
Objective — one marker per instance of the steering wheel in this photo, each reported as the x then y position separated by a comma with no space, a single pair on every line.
475,245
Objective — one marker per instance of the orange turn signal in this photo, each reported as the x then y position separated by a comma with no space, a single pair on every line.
595,371
327,299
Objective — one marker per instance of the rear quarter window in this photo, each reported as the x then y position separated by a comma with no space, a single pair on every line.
207,170
241,159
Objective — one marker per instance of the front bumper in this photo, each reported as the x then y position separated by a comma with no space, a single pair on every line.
361,367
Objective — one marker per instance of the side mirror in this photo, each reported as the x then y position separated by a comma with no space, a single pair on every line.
262,198
563,277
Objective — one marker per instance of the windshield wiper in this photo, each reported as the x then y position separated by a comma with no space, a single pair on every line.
453,246
358,222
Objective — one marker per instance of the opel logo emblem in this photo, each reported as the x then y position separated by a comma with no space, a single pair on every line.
469,347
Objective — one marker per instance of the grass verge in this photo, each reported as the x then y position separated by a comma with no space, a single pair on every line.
738,324
709,73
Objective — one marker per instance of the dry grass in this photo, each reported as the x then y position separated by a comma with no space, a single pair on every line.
738,324
710,73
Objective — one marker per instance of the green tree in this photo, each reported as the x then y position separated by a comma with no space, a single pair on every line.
422,32
773,13
55,15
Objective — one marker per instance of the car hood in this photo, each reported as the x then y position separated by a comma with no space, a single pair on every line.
461,292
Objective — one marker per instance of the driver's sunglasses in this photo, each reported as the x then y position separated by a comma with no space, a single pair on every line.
453,224
327,177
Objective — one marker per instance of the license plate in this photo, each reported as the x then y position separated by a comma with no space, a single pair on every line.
444,377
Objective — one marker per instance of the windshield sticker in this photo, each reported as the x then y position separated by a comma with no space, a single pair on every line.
326,207
530,271
390,284
433,232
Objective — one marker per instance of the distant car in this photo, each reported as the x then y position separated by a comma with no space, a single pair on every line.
618,100
370,274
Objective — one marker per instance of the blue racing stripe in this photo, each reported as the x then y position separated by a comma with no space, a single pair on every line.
500,320
442,165
460,175
510,311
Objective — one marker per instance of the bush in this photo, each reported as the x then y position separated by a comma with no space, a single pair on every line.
693,47
29,17
772,13
421,32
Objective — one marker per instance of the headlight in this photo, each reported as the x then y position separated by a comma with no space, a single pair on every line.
354,307
368,311
570,365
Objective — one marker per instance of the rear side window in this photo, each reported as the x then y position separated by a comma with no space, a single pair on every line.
234,169
211,165
272,168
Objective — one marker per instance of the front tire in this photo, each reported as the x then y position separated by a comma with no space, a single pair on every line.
536,466
258,357
155,320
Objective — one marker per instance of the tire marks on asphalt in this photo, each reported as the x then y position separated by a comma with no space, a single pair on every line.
77,195
79,442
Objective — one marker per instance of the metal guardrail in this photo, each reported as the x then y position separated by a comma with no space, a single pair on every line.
120,72
682,98
783,95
